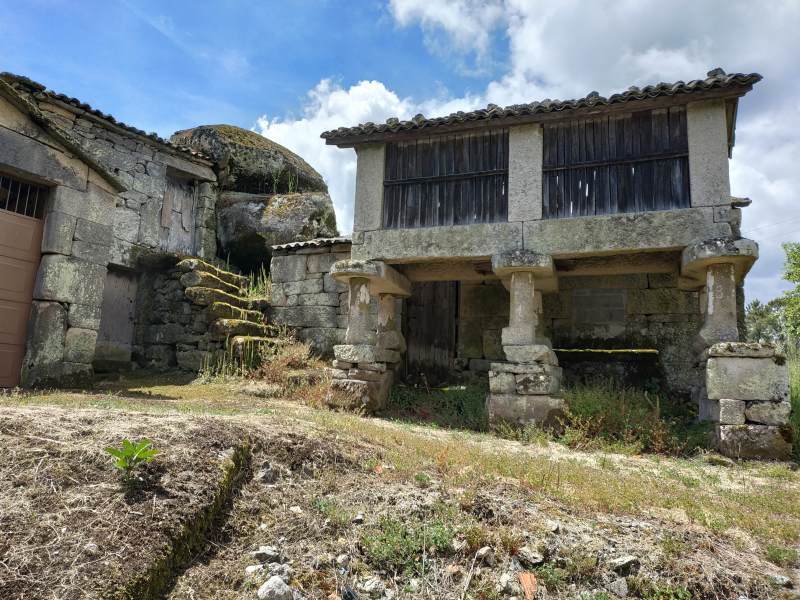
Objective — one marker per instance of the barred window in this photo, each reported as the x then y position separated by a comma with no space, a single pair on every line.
22,197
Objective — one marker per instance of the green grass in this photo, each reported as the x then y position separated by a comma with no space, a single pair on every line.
454,407
783,556
398,545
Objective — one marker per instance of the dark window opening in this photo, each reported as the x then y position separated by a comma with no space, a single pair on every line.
629,163
22,197
449,180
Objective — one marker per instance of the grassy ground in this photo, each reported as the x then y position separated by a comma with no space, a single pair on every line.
627,474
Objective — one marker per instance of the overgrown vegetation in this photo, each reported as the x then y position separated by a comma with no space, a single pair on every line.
259,284
602,415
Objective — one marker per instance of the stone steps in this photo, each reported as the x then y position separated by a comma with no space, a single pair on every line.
223,310
208,280
195,264
222,329
241,344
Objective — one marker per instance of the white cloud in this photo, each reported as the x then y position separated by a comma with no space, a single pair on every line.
566,49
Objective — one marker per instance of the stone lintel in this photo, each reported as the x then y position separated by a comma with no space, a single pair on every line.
696,258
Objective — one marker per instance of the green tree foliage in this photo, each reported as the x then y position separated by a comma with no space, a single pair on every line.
778,320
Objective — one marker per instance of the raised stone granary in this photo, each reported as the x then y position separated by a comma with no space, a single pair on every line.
510,238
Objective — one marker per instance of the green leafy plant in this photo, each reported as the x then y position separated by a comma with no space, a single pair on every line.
132,455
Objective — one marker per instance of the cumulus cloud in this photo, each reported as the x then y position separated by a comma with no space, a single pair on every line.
566,49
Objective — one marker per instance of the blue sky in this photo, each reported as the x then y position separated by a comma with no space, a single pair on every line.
163,66
295,68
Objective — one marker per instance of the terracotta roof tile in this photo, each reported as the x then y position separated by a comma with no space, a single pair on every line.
716,79
39,91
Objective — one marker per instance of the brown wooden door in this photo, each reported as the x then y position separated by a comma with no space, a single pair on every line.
429,326
20,250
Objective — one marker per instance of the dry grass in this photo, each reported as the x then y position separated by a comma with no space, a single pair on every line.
68,527
712,529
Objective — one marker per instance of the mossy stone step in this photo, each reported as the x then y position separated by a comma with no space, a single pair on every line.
208,280
196,264
204,296
225,328
223,310
241,344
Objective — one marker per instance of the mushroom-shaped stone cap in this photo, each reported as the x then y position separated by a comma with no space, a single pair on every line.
383,278
741,253
522,260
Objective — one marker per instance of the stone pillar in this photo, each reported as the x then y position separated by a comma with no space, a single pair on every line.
720,323
364,367
360,328
525,388
746,388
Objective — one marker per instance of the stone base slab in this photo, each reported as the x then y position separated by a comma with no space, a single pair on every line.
545,411
526,380
754,441
356,394
530,353
354,353
745,378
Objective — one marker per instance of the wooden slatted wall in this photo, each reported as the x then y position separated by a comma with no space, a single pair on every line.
625,163
449,180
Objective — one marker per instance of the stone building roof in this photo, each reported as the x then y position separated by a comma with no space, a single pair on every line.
717,81
23,84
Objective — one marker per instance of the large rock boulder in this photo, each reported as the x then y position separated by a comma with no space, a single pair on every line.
249,224
250,162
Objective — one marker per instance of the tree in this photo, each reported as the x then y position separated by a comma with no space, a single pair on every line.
791,299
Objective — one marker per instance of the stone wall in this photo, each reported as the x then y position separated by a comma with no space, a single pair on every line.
633,311
482,313
305,297
146,168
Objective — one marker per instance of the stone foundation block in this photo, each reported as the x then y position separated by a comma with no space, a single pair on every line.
288,268
741,350
391,340
530,353
387,356
355,353
59,229
380,367
747,379
79,345
45,344
365,375
546,382
754,441
71,280
84,316
541,410
336,373
361,395
768,413
726,411
502,383
341,364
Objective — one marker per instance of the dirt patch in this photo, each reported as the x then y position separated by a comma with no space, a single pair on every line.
70,529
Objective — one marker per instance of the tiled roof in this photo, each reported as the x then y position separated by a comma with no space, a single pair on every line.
39,91
716,79
315,243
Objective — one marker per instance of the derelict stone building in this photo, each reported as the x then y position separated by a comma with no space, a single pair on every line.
95,216
599,223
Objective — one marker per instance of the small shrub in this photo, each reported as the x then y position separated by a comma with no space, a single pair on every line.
551,577
397,546
423,480
783,556
132,455
650,590
337,517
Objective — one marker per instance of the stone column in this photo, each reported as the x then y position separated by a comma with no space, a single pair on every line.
746,385
360,329
364,365
525,388
720,315
389,335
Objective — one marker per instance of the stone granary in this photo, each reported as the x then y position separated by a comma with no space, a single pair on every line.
95,216
600,224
